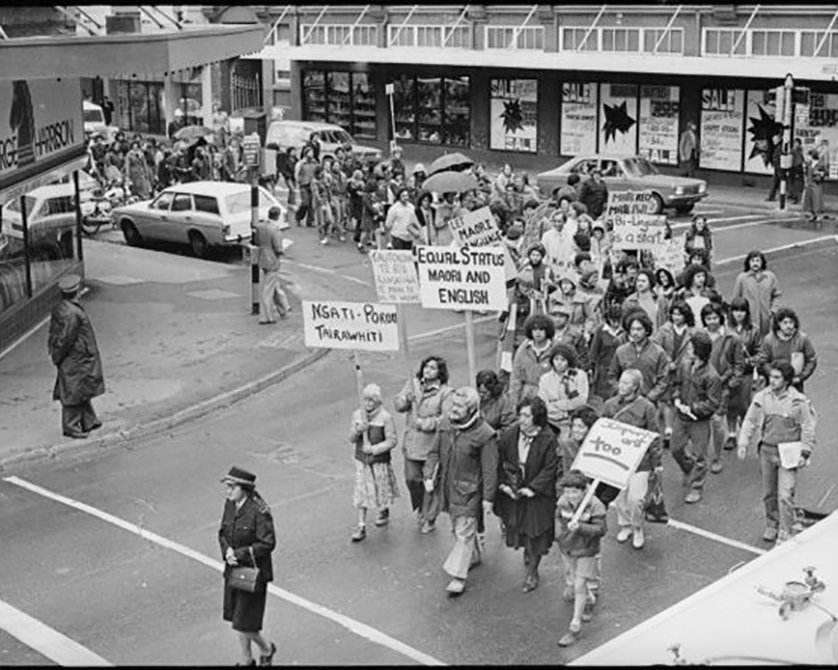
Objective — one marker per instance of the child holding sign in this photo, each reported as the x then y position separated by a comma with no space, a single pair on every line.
578,540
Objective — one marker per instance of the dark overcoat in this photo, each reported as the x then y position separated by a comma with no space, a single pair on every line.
528,516
72,348
250,526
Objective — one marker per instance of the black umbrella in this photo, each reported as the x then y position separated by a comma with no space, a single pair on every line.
450,182
455,161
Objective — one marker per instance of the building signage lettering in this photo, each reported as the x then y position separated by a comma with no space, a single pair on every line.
721,129
579,118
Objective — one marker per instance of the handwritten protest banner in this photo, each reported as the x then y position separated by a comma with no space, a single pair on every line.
350,325
462,278
630,202
395,276
478,229
612,451
638,231
670,255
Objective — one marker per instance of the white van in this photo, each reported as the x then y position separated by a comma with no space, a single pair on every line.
94,121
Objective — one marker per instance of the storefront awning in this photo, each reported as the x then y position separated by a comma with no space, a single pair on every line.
126,56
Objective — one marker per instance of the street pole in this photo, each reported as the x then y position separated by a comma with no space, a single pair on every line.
391,91
254,240
785,156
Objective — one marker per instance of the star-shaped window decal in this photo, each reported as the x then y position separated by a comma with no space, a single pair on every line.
513,119
762,132
616,119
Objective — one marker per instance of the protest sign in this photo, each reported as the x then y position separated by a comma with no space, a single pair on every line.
478,229
612,451
637,231
395,276
350,325
462,278
670,255
630,202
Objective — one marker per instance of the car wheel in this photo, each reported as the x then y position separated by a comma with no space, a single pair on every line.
198,244
658,200
132,235
684,208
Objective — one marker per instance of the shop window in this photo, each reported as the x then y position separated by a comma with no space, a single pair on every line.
432,109
139,107
346,99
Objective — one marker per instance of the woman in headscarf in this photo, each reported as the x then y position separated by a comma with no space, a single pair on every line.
374,437
247,539
526,502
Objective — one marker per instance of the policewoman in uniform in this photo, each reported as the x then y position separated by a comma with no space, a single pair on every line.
247,529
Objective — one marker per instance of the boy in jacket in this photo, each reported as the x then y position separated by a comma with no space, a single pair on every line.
696,397
579,543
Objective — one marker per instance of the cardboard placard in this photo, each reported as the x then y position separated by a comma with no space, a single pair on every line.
612,450
478,229
630,202
395,276
462,278
350,325
637,231
670,255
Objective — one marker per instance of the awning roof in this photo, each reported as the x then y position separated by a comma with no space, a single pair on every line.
128,55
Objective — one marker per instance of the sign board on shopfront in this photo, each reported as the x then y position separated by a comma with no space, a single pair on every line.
350,325
462,278
251,149
41,126
395,277
612,450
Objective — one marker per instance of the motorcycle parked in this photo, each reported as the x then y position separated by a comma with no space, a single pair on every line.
97,211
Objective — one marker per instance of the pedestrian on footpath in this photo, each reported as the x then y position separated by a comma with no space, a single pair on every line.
73,350
374,437
776,156
631,408
688,150
426,400
815,171
247,539
466,450
270,249
760,287
696,396
527,465
779,417
579,543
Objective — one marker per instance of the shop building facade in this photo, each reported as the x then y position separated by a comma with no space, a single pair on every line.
535,85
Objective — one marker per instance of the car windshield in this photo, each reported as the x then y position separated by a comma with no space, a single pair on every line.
343,137
14,205
93,116
639,167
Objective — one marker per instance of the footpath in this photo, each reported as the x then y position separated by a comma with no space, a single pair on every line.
178,341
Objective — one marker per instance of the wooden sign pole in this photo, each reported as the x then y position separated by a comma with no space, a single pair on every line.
359,381
588,495
472,365
404,345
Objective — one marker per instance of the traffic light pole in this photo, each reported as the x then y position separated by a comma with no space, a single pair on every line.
785,156
254,240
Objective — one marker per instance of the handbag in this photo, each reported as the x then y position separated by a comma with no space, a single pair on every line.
654,507
244,578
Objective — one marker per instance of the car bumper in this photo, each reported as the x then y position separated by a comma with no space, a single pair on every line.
686,199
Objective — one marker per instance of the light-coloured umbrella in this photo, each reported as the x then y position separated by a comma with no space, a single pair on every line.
450,182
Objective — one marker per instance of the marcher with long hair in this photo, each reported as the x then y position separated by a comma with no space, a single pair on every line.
786,342
642,353
674,337
760,287
749,336
563,388
696,291
495,405
527,466
531,359
644,296
426,400
727,359
699,236
604,342
373,435
247,539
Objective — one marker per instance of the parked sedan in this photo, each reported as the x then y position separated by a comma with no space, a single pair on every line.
629,173
202,214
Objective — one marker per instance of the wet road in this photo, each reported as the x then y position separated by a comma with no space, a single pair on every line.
136,601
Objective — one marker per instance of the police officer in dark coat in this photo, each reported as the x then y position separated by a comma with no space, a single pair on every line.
72,348
247,534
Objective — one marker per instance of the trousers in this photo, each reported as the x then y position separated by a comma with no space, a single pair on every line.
629,502
778,485
466,549
693,462
78,418
427,503
272,295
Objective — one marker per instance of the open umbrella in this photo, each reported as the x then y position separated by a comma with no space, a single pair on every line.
450,182
455,161
191,133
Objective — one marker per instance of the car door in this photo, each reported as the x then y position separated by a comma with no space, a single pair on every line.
181,217
207,218
151,224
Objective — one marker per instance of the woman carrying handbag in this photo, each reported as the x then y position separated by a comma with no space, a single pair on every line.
247,539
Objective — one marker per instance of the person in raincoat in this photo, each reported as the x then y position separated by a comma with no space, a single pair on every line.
137,173
72,348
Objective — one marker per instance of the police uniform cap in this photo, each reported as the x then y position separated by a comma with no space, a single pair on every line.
240,477
69,283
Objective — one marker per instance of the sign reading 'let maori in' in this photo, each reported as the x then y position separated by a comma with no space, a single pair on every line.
350,325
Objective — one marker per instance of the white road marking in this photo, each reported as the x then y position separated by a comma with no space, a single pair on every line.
446,329
680,525
48,642
356,627
330,272
826,495
791,245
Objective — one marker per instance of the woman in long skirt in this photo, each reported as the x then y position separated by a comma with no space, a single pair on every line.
373,436
526,502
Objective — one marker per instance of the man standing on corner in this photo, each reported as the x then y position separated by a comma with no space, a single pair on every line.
467,451
688,150
72,349
270,249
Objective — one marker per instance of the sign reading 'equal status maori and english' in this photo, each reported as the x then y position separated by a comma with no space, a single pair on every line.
395,276
463,278
350,325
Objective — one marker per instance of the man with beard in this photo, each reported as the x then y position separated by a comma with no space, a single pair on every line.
466,448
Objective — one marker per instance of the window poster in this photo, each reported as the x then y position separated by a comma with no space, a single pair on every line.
761,131
618,119
720,133
514,110
817,126
579,118
658,124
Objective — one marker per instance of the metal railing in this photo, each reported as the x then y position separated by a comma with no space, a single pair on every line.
332,34
504,37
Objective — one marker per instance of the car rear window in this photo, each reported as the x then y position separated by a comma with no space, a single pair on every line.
14,205
63,204
206,203
93,116
240,202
